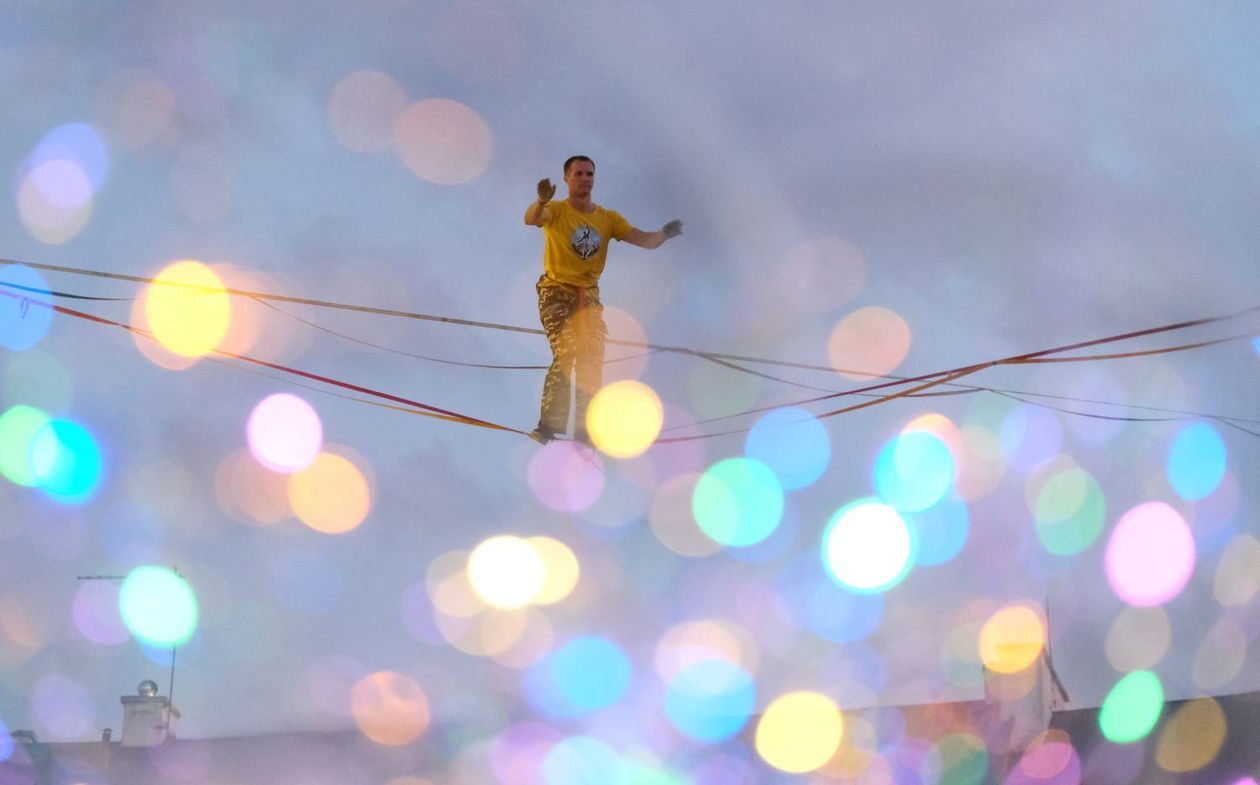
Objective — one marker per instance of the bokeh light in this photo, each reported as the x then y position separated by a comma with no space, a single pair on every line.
586,674
1150,555
710,701
331,495
1131,708
1067,505
250,492
389,708
914,471
1138,638
941,531
285,433
1012,639
956,759
560,570
565,476
443,141
158,606
65,461
867,546
136,110
624,418
793,444
673,522
869,342
578,760
187,308
1237,579
1192,737
506,571
19,426
96,613
688,643
363,108
738,502
1049,760
59,180
1196,461
37,379
799,732
25,307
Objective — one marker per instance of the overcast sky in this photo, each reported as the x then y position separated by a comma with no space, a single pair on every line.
1003,177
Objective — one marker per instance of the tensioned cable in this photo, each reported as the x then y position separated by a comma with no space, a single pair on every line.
936,378
711,356
714,356
426,408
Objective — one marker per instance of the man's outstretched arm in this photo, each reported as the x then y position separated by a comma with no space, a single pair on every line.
654,239
537,213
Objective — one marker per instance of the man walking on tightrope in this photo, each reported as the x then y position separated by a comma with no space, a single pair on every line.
577,233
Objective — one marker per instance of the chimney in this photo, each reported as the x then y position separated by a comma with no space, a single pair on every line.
107,734
146,717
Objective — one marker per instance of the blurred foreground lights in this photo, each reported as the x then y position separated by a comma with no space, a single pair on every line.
65,461
1196,461
1192,737
624,418
738,502
506,572
710,701
389,708
799,732
1012,639
331,495
1150,555
586,674
565,476
363,108
188,309
1132,708
793,444
444,141
1068,506
59,180
284,433
25,307
869,342
867,547
1049,760
18,428
560,570
158,606
914,471
957,759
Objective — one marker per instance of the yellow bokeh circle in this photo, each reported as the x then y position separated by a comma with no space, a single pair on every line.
1192,737
506,571
560,570
188,309
1012,639
331,495
389,708
799,732
625,418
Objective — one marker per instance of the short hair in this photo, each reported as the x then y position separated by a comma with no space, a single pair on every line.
574,159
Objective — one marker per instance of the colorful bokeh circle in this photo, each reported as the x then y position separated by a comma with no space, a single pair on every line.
867,547
1151,555
738,502
625,418
158,606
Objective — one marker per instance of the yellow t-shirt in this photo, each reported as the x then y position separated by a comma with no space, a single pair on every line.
577,242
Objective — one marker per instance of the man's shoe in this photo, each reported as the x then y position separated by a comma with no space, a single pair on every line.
542,434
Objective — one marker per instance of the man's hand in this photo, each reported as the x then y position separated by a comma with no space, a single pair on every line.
672,229
545,190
